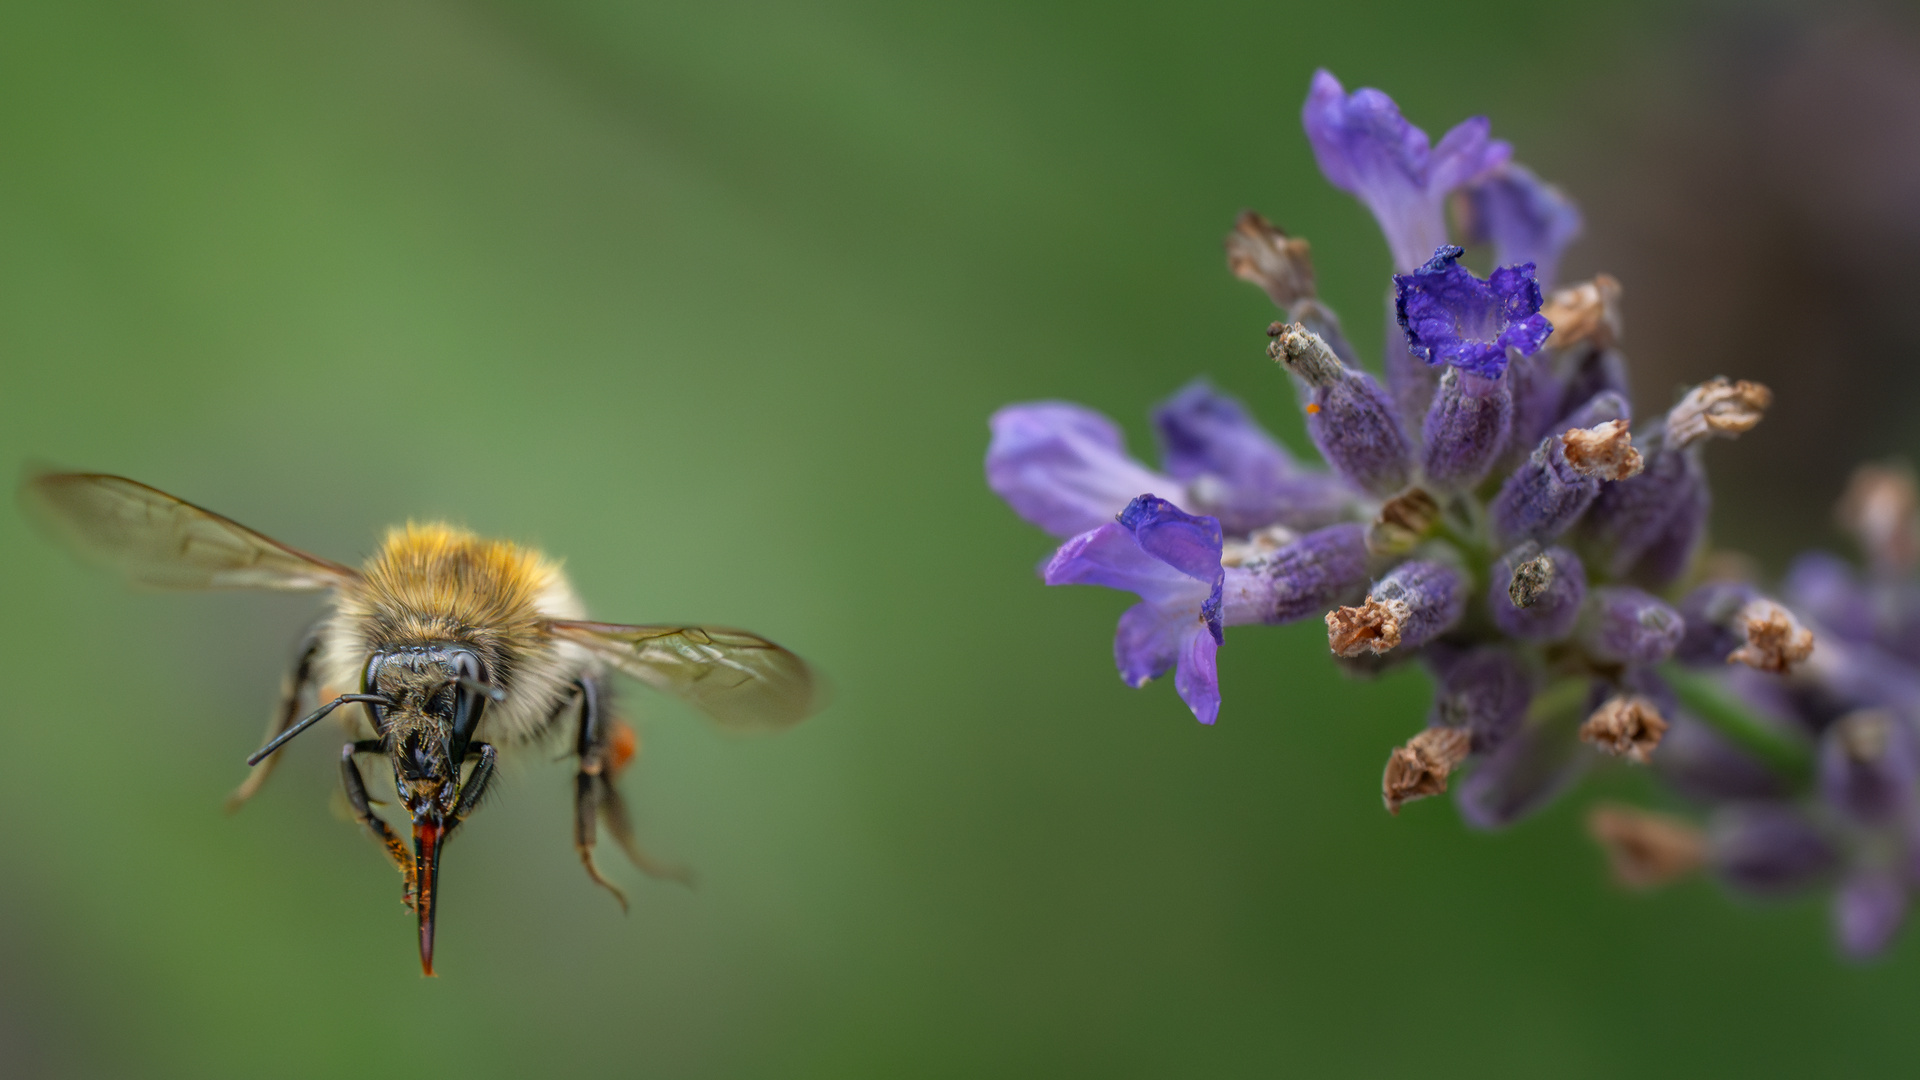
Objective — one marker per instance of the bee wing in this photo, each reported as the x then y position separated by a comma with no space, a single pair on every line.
741,680
158,540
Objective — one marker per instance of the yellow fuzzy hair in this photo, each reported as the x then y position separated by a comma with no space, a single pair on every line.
437,583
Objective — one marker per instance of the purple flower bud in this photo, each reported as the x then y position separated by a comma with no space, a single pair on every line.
1451,317
1235,471
1597,408
1366,148
1485,692
1627,626
1537,396
1466,429
1629,517
1597,371
1704,766
1714,626
1530,769
1348,417
1410,382
1063,467
1868,909
1409,607
1542,497
1527,221
1552,583
1868,765
1767,848
1673,550
1300,579
1171,560
1824,587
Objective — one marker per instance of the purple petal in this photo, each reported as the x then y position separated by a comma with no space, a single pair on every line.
1867,912
1149,640
1235,470
1526,220
1189,544
1198,679
1465,154
1064,467
1111,557
1366,148
1451,317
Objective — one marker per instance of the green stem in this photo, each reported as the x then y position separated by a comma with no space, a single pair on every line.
1714,706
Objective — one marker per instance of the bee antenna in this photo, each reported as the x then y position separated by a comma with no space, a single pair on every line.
492,692
313,718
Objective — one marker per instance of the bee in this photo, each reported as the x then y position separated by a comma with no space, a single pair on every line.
463,650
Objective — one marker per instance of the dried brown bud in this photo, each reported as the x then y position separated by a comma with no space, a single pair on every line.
1306,354
1646,849
1421,767
1628,726
1589,311
1718,407
1880,509
1372,627
1530,580
1402,523
1260,252
1775,640
1604,450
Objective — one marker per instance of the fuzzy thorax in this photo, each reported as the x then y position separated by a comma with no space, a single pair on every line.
435,583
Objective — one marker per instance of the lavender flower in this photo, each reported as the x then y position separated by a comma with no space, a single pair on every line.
1451,317
1063,467
1171,560
1235,471
1526,543
1527,221
1367,149
1348,417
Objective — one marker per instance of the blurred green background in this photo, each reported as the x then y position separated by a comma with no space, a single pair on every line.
714,300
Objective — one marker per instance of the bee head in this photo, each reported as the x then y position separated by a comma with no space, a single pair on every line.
438,694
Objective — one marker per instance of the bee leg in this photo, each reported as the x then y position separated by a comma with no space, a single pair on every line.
293,693
475,788
363,813
586,783
614,809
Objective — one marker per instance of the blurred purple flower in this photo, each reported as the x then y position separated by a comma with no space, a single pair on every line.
1064,467
1526,219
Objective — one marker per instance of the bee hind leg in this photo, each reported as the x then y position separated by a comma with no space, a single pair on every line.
613,810
588,746
294,691
375,825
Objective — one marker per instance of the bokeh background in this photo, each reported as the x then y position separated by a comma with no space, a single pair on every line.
713,300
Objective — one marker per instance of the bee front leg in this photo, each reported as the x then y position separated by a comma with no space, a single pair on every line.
294,690
586,795
363,813
475,788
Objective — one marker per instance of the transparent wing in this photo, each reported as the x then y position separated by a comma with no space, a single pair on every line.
741,680
158,540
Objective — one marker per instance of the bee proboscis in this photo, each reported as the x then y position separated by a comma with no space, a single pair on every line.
463,649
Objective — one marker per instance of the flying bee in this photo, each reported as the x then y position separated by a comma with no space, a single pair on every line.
463,650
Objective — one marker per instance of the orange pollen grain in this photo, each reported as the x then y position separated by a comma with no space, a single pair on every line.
621,744
1312,408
